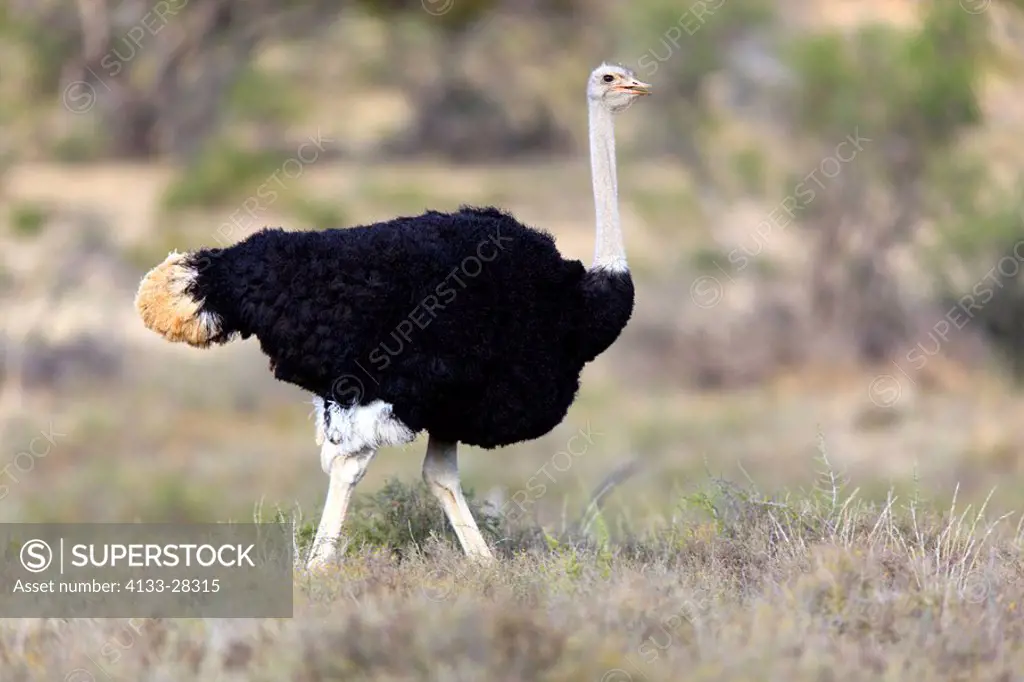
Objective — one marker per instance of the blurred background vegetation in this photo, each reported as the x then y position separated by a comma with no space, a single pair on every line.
808,199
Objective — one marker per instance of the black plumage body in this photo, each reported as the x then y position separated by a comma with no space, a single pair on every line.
470,324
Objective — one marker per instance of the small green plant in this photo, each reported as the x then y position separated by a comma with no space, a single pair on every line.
264,97
751,171
28,219
174,499
221,174
401,518
402,198
317,214
709,259
78,148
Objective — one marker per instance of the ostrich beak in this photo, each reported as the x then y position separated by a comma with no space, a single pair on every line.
635,87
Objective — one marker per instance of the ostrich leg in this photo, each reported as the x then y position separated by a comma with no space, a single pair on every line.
441,472
346,470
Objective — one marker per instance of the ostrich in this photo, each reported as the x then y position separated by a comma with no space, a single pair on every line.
467,325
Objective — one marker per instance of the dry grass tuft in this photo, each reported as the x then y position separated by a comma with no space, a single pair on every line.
816,586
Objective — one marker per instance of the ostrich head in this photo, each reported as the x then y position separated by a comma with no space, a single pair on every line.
615,87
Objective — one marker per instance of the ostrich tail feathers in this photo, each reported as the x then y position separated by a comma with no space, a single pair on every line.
167,304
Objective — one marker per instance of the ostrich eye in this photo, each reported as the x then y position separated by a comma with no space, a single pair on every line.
608,78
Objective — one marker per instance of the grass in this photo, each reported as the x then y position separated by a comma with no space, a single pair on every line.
734,585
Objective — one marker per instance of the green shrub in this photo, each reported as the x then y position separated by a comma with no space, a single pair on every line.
918,85
401,518
28,219
264,97
223,173
78,147
317,214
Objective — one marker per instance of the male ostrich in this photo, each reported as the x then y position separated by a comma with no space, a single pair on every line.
468,325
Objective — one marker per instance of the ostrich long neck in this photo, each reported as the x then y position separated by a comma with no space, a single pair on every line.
609,252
